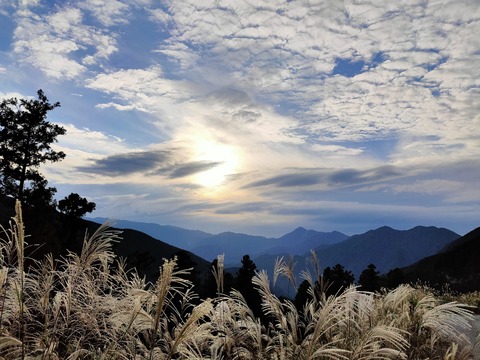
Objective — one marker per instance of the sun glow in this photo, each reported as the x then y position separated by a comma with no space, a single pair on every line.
224,159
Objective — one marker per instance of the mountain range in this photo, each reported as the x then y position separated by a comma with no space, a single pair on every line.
427,253
233,245
384,247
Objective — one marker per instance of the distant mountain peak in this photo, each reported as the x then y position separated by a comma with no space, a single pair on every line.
385,228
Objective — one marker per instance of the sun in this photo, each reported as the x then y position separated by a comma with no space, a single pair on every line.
226,158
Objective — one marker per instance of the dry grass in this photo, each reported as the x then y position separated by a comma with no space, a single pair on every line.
88,306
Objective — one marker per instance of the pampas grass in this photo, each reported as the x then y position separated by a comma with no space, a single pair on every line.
89,306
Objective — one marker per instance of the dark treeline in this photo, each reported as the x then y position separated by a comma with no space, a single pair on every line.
333,281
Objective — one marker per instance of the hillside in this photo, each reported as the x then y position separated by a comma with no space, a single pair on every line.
387,248
52,232
458,265
173,235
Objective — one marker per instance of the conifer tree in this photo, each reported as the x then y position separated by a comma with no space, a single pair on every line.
25,143
369,279
75,206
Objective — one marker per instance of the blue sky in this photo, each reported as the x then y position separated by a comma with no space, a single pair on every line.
258,117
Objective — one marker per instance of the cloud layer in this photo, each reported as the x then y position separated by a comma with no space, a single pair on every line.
259,116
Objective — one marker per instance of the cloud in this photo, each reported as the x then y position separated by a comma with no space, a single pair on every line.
118,107
430,187
246,116
288,60
356,177
445,182
247,207
259,95
130,86
191,168
298,179
91,141
124,164
54,42
9,95
336,150
83,147
164,163
108,13
329,178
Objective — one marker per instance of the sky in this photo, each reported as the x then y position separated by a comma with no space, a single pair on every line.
258,116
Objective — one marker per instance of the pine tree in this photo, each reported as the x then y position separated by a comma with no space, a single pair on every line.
337,279
76,206
369,279
25,143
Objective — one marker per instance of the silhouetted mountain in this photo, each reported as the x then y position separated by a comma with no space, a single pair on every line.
301,241
52,232
458,265
236,245
233,245
173,235
384,247
387,248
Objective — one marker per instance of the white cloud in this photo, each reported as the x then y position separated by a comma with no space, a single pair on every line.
28,3
55,42
118,107
9,95
111,12
91,141
160,16
145,90
281,49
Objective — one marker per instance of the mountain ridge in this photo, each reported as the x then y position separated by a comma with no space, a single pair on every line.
424,252
457,264
385,247
234,244
174,235
50,232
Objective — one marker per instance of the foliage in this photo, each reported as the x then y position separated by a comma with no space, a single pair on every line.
76,206
337,279
89,306
25,143
243,283
303,295
369,279
394,278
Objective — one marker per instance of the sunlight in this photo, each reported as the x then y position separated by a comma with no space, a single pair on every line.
225,155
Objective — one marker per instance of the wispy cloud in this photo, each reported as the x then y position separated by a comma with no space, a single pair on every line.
329,178
123,164
191,168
